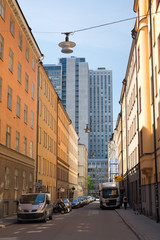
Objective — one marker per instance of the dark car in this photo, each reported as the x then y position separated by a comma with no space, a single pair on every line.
68,204
75,203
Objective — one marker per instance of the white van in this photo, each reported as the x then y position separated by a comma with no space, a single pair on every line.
34,206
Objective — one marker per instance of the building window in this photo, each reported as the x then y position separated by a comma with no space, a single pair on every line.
20,40
16,179
26,82
2,9
138,58
6,178
141,142
32,92
25,113
1,46
140,99
32,118
158,1
18,107
159,53
19,72
8,136
12,24
17,141
27,53
9,98
10,60
0,89
24,183
33,63
25,146
31,149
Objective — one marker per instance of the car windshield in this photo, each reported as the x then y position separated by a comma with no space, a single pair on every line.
74,200
32,198
110,192
65,201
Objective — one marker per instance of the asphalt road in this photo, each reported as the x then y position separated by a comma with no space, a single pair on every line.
87,223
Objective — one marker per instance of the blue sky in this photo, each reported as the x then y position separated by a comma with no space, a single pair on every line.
107,46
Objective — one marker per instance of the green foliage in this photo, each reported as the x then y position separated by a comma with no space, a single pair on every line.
90,183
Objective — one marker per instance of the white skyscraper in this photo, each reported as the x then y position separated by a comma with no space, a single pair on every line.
101,123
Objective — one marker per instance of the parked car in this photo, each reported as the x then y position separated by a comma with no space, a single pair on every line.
34,206
75,203
68,204
81,203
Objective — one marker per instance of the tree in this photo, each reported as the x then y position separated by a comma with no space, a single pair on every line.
90,183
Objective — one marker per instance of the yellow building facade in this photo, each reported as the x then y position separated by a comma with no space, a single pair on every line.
46,164
148,56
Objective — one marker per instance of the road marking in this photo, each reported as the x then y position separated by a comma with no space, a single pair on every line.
12,238
59,218
42,227
16,232
93,212
34,231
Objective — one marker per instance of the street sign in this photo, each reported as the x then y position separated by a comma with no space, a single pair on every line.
118,178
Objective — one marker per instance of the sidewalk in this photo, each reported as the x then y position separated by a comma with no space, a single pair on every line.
4,222
144,227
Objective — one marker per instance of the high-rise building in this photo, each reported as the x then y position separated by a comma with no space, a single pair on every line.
54,73
74,91
101,123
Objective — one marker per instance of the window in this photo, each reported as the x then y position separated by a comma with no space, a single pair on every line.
33,63
159,53
24,183
141,142
158,1
9,98
25,113
31,149
17,141
1,46
10,60
0,89
32,117
6,178
12,24
32,92
25,146
20,40
26,82
18,107
8,136
27,53
19,72
140,104
2,9
138,58
16,179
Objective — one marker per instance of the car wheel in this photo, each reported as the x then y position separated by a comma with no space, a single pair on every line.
50,217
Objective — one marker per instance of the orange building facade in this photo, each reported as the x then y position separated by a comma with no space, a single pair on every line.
19,53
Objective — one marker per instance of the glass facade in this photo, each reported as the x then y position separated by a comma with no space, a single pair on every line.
101,123
54,73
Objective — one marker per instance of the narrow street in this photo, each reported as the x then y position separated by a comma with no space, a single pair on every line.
89,222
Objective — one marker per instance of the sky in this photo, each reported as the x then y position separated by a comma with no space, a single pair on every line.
108,46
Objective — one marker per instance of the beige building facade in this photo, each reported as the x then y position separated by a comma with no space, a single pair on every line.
82,170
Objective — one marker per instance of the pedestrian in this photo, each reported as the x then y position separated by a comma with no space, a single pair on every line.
125,202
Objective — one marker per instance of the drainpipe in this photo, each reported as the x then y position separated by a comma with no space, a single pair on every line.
154,119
